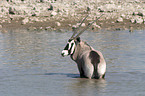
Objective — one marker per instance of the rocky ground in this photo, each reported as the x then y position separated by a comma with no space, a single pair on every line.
64,14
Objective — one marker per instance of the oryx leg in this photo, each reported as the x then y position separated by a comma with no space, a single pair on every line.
88,70
81,70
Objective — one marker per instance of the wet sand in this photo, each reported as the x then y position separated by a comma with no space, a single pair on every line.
110,24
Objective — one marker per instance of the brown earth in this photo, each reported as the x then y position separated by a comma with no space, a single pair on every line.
110,24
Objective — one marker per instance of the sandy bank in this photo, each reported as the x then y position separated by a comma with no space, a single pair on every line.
63,14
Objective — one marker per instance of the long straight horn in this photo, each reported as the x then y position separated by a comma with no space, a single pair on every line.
75,31
87,27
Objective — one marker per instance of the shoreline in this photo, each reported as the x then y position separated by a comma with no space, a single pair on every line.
61,15
110,25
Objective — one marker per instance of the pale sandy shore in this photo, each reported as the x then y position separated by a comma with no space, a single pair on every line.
64,14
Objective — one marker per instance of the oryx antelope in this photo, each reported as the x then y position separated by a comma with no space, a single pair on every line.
90,62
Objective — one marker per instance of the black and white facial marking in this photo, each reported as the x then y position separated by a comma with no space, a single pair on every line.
69,48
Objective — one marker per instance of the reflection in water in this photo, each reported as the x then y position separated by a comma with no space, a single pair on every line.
86,87
65,74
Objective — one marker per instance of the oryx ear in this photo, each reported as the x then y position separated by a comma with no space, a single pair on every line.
78,39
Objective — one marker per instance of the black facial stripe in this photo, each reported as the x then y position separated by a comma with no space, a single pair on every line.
69,51
67,46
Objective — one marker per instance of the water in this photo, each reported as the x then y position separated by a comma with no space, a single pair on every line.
31,64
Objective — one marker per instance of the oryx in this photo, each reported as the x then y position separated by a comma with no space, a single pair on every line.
90,62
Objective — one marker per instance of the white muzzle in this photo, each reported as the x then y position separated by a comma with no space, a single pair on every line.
64,53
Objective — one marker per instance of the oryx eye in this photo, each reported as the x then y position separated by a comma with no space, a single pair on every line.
70,40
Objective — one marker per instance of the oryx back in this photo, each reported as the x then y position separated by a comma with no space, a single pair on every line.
90,62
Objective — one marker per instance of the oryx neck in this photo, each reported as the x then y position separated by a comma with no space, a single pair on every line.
80,49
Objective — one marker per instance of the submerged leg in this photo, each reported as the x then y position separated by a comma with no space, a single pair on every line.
81,71
103,76
88,70
99,77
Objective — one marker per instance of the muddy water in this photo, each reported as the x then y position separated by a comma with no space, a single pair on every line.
31,65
